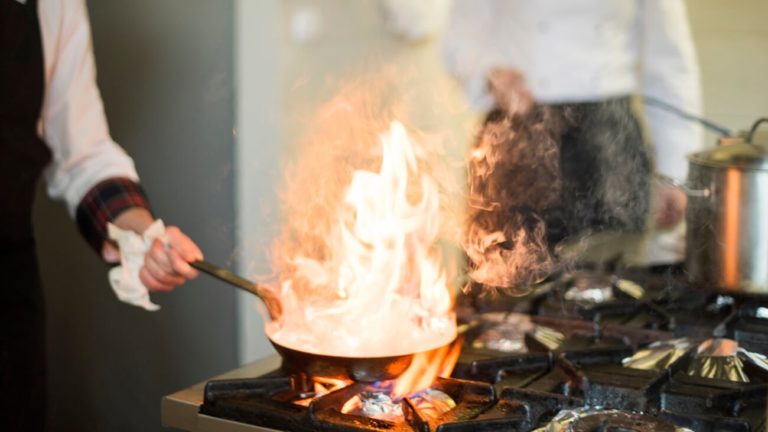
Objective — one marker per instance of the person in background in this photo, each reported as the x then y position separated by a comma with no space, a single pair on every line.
580,62
52,123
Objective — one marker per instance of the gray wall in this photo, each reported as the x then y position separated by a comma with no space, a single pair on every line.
166,74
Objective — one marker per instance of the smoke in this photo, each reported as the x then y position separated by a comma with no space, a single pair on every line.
514,176
541,176
365,208
343,136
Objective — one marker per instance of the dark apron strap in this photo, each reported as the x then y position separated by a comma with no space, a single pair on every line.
23,157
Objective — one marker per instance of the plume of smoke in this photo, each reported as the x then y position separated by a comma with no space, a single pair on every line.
365,206
513,175
343,137
524,186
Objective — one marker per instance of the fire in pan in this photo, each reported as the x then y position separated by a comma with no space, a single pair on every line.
363,369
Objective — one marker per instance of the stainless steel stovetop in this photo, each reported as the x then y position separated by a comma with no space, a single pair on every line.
579,342
181,410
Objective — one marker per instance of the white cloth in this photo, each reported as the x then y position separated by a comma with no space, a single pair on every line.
72,122
125,277
666,246
573,51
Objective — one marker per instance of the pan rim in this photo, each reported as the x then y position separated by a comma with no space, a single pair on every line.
371,358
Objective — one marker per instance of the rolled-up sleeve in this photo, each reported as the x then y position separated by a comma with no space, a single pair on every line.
670,74
86,163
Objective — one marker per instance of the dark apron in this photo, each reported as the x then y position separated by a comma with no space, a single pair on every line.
23,155
606,169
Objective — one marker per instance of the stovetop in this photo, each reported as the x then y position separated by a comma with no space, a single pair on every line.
584,352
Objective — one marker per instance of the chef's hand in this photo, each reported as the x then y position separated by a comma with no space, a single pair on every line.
507,86
164,268
669,205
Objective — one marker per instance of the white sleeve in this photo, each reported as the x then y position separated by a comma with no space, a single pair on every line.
468,53
670,73
73,123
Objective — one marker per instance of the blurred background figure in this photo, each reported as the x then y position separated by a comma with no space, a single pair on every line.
568,70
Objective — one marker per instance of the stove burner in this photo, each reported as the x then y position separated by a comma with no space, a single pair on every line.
723,359
376,405
588,420
503,332
430,403
659,356
589,287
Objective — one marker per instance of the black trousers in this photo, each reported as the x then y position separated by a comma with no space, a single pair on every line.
22,339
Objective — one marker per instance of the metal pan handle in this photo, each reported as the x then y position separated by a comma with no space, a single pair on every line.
689,191
751,134
265,293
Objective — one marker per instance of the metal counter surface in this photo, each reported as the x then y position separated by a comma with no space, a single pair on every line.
180,410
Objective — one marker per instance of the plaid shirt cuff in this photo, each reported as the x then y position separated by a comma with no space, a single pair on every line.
104,203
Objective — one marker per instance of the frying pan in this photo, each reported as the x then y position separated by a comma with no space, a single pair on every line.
364,369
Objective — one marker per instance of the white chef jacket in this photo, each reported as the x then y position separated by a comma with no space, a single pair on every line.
72,122
572,51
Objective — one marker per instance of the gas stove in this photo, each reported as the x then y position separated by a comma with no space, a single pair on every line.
589,350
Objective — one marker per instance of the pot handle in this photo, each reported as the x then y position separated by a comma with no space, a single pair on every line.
752,131
689,191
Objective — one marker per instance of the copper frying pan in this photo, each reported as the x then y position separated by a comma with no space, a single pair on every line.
364,369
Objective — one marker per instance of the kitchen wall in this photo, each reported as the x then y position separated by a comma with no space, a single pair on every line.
259,76
732,42
166,74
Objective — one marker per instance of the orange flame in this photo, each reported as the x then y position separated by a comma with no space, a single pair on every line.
322,386
425,367
363,271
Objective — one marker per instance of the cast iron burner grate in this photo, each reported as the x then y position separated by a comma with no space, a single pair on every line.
582,372
269,401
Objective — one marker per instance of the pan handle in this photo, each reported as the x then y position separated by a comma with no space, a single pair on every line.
751,134
698,193
265,293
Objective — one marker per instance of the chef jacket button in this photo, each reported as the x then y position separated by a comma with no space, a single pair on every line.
542,27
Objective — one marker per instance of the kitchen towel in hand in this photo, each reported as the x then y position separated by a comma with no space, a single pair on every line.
125,277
